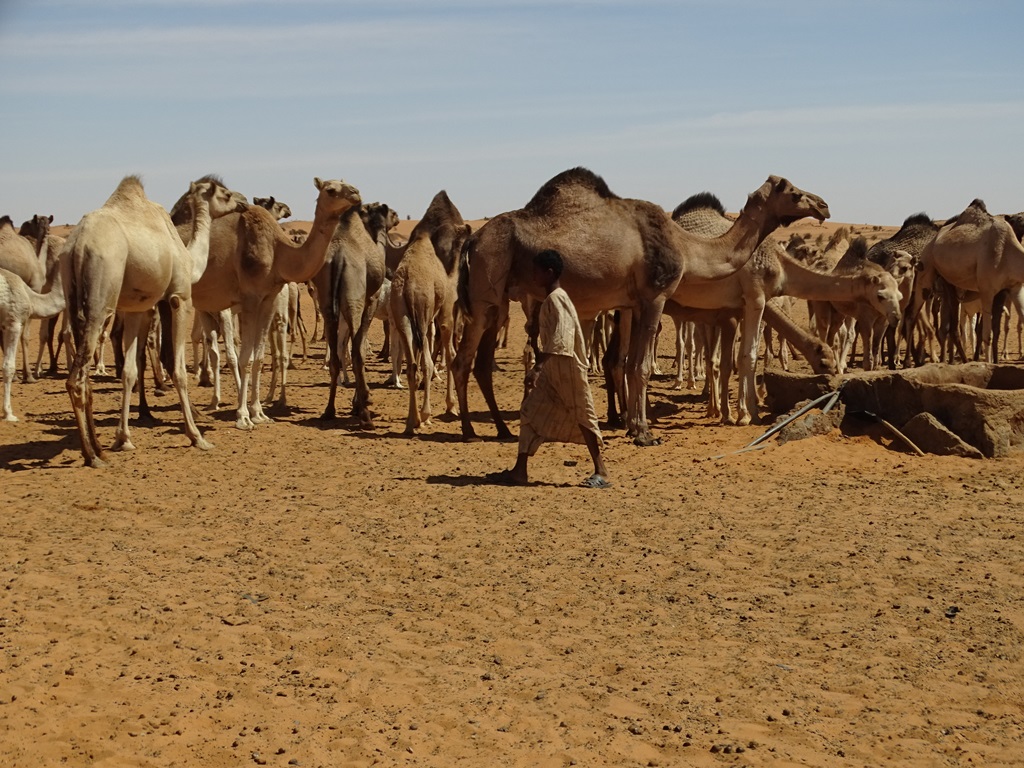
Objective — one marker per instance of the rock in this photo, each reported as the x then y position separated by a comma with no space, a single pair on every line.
932,436
981,403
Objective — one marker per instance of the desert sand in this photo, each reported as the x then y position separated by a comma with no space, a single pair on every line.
316,595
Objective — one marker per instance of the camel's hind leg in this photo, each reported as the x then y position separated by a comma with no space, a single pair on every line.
11,336
79,386
404,336
132,324
361,399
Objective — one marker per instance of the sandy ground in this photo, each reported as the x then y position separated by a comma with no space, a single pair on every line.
311,594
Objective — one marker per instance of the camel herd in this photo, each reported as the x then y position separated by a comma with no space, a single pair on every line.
215,260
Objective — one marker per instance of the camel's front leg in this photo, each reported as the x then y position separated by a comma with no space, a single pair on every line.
249,323
179,375
750,343
361,399
639,364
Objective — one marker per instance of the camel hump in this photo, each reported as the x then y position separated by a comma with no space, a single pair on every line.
574,180
696,202
5,221
979,204
129,191
917,220
1016,222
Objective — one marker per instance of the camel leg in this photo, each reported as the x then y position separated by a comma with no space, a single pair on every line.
178,330
141,350
361,399
428,372
11,336
226,320
680,352
713,370
750,342
476,353
27,374
251,327
46,328
996,317
726,368
333,362
639,363
200,348
448,345
131,326
79,389
405,340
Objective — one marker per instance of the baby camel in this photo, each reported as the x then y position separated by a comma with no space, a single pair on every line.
18,304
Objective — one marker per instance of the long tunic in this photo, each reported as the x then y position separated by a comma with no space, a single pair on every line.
560,406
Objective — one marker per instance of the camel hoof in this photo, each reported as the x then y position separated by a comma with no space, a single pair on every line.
30,379
471,439
10,417
646,440
97,463
203,444
122,445
244,424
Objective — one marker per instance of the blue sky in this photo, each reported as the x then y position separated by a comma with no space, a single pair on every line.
882,108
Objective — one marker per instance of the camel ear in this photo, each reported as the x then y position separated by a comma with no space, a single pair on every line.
51,218
318,182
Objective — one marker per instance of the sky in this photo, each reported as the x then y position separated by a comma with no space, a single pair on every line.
883,108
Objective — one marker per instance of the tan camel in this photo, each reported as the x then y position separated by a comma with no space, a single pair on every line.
976,251
417,300
251,258
771,272
36,229
618,253
127,257
346,287
209,328
422,296
28,260
277,209
18,304
858,319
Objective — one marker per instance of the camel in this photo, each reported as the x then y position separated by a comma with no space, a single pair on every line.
976,251
127,257
251,258
208,328
346,287
18,304
618,253
417,300
277,209
891,253
35,229
423,294
28,260
770,273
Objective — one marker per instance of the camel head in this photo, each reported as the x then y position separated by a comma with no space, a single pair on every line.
37,229
221,200
785,203
883,293
335,198
277,209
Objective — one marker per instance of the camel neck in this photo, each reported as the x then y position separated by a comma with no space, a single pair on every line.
199,245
